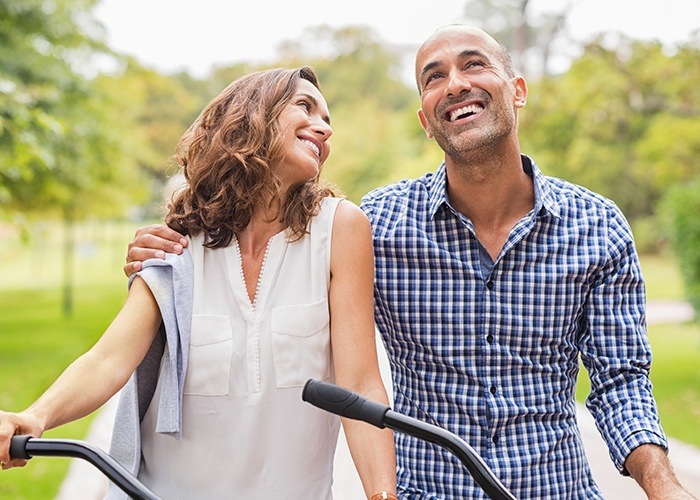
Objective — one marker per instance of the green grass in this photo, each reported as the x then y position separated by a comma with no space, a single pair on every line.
37,341
675,378
37,344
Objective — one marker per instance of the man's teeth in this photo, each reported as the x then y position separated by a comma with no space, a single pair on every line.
465,111
313,146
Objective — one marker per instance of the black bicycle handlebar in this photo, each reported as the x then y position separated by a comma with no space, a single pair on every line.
346,403
27,447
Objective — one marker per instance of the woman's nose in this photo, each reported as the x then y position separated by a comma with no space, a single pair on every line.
322,128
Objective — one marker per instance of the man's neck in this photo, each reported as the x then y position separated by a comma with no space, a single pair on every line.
490,189
494,194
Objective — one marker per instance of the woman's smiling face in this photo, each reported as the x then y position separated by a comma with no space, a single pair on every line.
305,125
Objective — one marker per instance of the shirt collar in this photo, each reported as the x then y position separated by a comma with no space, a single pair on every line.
544,197
437,190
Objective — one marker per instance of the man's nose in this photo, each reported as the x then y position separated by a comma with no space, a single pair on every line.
457,82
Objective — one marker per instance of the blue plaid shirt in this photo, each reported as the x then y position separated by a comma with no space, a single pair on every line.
490,350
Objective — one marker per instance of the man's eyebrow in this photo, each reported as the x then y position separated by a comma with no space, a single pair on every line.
430,66
465,54
314,101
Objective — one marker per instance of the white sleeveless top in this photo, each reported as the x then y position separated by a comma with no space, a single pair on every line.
246,431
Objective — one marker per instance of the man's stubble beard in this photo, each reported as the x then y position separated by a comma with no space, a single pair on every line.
478,145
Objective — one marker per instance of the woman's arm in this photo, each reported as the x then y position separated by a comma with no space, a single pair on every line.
354,346
95,376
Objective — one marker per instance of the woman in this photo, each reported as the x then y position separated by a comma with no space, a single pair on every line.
277,272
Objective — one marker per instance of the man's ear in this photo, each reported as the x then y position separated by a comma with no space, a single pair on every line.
520,92
424,123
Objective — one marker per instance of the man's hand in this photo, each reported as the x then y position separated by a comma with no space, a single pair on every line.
648,464
152,242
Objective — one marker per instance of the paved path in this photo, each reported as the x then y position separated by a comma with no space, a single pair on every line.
85,482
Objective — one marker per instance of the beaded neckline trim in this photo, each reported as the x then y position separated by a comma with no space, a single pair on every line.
260,274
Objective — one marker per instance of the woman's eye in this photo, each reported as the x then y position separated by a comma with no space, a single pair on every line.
306,105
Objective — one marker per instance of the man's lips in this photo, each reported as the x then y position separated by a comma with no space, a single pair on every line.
464,110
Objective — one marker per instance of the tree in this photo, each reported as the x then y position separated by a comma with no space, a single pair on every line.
352,65
56,154
622,121
152,111
39,46
532,37
680,208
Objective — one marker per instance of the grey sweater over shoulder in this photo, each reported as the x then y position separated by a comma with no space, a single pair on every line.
172,283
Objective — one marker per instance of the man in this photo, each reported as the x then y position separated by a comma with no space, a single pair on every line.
491,281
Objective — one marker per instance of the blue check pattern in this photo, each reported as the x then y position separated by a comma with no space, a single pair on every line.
492,353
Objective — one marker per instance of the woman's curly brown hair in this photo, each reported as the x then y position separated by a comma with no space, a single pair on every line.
227,156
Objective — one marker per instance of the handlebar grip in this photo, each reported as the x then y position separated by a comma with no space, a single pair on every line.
343,402
18,447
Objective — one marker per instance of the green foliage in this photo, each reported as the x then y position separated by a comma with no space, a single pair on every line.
352,65
56,152
163,107
648,236
622,121
148,112
681,208
667,153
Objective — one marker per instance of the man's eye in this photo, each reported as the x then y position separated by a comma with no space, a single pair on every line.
431,77
474,64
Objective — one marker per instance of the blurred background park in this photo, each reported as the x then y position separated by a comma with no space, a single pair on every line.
87,131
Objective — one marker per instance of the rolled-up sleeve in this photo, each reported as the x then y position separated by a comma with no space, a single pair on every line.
615,349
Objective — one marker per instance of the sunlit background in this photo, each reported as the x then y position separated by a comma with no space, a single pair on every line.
95,95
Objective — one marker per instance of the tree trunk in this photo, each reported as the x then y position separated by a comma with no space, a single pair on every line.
68,259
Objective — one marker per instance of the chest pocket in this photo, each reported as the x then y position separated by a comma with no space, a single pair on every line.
301,343
210,352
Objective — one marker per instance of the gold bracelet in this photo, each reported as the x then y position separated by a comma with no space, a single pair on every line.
383,495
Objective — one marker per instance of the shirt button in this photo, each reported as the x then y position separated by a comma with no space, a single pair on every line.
492,389
489,285
489,338
495,439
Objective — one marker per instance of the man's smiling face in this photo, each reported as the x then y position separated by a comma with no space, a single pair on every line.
468,99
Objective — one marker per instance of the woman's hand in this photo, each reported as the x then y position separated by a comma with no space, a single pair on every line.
12,424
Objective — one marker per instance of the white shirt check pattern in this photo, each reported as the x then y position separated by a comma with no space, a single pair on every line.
493,354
